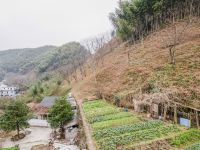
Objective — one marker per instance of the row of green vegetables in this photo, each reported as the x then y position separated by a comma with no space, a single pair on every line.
109,117
114,131
114,122
190,136
94,104
111,142
101,111
195,146
12,148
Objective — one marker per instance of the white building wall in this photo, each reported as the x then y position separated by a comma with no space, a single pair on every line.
6,91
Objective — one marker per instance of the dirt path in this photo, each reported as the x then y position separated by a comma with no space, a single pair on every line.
88,134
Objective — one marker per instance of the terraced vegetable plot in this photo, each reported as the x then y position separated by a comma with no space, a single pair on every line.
195,146
185,138
112,128
13,148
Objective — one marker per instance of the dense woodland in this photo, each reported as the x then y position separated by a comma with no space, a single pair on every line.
14,60
134,19
42,59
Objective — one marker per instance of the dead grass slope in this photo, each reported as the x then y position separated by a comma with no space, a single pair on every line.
143,68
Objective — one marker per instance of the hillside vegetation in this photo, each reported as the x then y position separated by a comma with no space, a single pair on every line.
135,19
159,60
15,60
144,68
46,87
42,59
67,54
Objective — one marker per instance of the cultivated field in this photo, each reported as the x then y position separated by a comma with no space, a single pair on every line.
112,128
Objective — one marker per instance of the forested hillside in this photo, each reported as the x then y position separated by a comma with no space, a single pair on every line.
70,54
42,59
135,19
14,60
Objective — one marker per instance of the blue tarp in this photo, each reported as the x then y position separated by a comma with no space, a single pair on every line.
185,122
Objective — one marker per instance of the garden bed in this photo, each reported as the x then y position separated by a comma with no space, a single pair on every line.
11,148
112,128
195,146
190,137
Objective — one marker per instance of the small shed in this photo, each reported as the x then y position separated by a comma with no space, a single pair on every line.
164,106
45,104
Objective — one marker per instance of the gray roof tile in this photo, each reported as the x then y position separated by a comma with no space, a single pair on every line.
48,101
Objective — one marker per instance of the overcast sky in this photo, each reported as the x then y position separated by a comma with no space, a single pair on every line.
33,23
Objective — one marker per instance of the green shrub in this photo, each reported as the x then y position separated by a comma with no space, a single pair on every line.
59,82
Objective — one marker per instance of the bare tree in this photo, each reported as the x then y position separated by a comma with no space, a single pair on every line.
93,45
65,72
97,48
81,68
74,70
173,38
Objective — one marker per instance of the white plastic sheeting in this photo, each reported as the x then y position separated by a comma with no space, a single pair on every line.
59,146
38,123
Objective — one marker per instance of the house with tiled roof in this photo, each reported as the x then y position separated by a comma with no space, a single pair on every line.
45,105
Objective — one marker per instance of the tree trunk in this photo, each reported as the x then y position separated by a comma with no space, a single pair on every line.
18,131
165,112
172,55
129,59
175,115
151,110
197,118
97,86
62,132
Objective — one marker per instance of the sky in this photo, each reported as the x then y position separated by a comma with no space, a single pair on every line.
34,23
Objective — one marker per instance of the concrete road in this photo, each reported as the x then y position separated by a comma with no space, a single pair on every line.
37,136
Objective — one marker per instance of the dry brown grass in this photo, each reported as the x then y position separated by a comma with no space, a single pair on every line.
147,59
